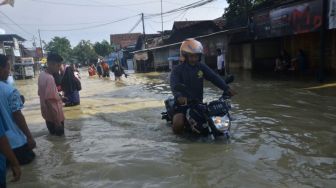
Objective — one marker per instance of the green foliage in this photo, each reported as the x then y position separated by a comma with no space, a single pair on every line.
84,52
238,8
60,45
103,48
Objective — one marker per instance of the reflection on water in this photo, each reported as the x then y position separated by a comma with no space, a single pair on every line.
283,136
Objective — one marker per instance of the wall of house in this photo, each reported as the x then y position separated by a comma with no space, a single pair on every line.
2,49
234,56
210,45
247,56
265,53
161,58
331,58
309,43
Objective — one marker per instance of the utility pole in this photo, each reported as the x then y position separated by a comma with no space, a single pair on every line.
34,41
143,30
161,21
40,42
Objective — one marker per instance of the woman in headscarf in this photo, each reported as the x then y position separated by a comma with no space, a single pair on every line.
71,87
118,71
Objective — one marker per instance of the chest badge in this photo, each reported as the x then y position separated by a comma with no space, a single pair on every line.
200,74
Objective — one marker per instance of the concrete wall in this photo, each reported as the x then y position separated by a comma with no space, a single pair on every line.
309,43
247,56
331,51
234,56
211,44
161,58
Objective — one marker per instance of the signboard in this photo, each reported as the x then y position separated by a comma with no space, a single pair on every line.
38,52
16,44
16,52
289,20
44,60
332,14
262,24
27,60
29,70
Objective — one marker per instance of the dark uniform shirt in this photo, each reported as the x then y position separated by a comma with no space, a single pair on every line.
192,77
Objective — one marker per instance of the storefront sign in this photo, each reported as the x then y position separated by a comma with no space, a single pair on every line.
289,20
261,25
332,14
29,70
16,52
38,52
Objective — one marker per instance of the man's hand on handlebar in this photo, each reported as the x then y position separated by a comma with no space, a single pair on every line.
230,92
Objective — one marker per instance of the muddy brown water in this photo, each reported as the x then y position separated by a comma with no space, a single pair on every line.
283,136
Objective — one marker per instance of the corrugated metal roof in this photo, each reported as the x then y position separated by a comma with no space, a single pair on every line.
203,36
9,37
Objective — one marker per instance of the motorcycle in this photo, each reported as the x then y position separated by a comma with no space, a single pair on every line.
204,120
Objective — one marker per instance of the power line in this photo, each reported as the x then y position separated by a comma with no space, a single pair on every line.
184,15
174,3
136,25
93,5
92,26
15,23
185,7
67,24
174,18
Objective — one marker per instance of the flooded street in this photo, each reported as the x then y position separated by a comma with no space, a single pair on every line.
283,136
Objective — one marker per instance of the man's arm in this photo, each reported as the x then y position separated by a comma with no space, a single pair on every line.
175,79
16,104
7,151
214,78
21,122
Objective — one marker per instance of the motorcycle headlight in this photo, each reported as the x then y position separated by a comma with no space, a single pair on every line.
221,123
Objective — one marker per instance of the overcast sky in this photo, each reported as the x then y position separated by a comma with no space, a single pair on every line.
76,14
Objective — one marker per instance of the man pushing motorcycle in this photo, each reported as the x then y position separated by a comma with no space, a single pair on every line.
191,73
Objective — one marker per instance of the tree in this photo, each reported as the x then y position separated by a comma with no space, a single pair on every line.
103,48
84,52
60,45
238,10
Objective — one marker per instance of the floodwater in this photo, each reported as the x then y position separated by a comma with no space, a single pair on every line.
284,135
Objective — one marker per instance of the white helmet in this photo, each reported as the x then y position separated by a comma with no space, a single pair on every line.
191,46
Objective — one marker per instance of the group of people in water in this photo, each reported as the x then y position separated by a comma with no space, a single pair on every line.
285,63
68,84
58,85
16,140
102,69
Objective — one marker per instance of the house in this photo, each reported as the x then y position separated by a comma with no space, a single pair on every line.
10,45
189,29
121,41
257,39
293,25
152,40
157,58
211,33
